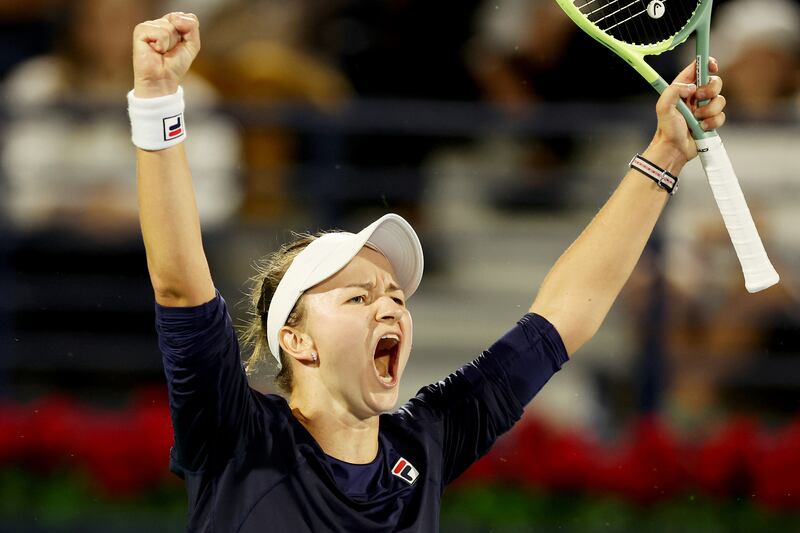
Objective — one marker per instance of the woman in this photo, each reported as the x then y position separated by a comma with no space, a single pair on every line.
332,311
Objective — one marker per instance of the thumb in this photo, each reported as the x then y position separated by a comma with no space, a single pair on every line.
669,98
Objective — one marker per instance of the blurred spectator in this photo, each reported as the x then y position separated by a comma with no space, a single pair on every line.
272,51
258,52
27,28
758,45
67,156
528,52
519,53
718,337
402,48
394,50
78,284
725,346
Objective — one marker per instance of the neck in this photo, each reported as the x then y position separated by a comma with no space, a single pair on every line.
338,432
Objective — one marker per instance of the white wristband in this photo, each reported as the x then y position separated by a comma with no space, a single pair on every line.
157,123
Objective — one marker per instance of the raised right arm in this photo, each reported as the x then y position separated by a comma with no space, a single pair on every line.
163,50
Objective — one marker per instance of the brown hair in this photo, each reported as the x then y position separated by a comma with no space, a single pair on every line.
269,272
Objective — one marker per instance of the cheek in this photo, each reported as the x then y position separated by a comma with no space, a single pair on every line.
407,327
340,337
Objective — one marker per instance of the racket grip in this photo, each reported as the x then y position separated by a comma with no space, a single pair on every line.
759,273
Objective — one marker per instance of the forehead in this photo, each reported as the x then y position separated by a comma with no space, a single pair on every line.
368,266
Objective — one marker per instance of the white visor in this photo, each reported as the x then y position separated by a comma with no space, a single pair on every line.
391,235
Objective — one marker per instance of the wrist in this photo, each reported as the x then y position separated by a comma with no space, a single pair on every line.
662,177
157,123
666,156
154,90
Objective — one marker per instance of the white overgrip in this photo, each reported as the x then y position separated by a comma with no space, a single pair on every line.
759,273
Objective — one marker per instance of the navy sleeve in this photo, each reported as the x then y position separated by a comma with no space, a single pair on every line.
210,400
529,355
473,406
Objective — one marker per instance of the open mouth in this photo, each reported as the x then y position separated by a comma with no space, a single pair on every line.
386,357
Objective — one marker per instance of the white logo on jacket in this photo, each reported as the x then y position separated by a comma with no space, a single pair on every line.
405,471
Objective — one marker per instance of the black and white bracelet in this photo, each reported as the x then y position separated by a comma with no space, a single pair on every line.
664,179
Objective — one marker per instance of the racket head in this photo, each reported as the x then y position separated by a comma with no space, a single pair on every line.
605,21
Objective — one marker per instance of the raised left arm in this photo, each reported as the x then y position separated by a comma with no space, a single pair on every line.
579,290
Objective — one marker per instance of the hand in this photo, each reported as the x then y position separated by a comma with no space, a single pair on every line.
163,50
673,145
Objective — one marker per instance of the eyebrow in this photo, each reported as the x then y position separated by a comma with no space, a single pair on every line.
369,286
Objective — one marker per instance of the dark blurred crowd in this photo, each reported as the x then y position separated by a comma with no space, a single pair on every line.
316,110
510,53
516,55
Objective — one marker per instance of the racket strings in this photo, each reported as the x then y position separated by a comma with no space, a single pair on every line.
606,12
638,22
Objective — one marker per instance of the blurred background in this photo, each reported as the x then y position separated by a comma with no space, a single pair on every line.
476,120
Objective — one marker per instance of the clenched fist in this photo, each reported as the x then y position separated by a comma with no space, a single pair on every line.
163,50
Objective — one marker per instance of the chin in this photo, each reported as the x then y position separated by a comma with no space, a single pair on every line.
382,402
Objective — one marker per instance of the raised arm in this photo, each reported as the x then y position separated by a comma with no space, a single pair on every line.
579,290
163,50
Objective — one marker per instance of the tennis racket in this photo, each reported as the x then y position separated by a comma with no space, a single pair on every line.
633,29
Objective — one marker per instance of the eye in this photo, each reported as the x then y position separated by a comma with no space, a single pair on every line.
398,301
360,299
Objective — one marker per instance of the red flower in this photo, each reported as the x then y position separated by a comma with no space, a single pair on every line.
55,421
644,469
557,461
777,473
15,433
124,451
724,464
127,451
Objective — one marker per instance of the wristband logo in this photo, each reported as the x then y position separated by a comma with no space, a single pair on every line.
173,127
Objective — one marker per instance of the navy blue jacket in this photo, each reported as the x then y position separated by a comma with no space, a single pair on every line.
250,466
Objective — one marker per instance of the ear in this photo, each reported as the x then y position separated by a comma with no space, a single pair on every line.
297,344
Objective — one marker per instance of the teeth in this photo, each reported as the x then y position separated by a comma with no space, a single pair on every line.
391,336
386,379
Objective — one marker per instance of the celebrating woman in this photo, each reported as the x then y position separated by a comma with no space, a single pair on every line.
331,309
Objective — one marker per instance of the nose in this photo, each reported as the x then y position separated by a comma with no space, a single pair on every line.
389,310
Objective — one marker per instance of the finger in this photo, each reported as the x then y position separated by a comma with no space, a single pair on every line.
160,34
712,90
714,122
152,34
187,24
669,98
714,107
174,34
689,74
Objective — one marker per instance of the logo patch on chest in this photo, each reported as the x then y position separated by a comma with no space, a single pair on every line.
405,471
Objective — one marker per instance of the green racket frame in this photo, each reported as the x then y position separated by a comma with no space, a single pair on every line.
699,23
756,267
